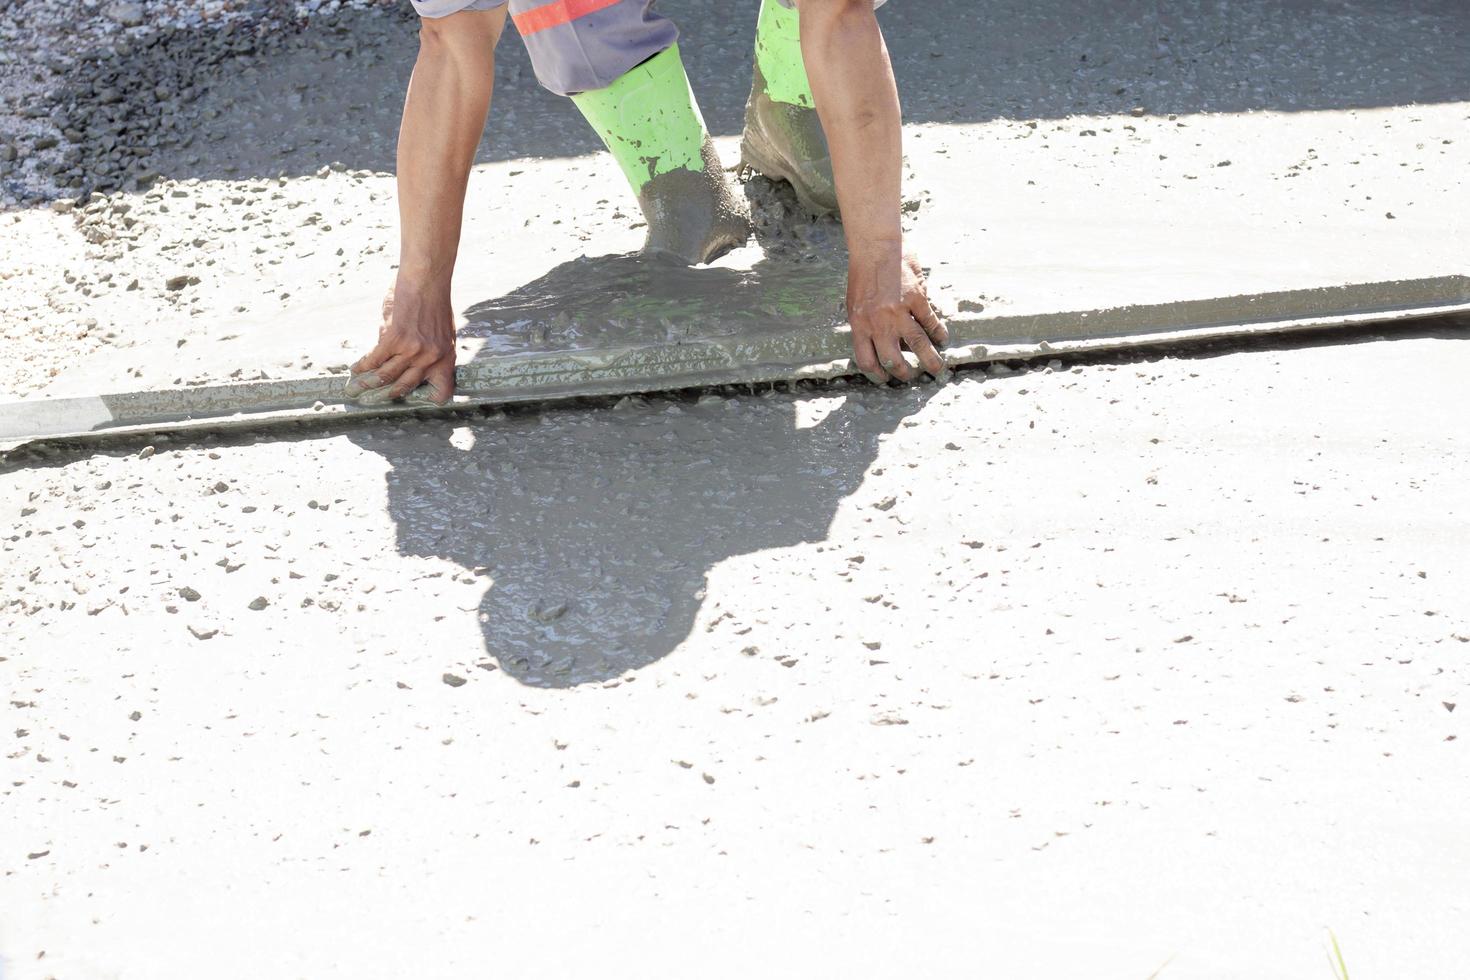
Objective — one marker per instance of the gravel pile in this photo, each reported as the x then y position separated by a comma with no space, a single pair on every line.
91,90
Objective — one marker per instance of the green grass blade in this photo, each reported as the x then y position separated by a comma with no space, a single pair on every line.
1338,964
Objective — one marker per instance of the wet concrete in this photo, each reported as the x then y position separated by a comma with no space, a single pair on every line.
921,677
694,216
597,555
785,142
1017,61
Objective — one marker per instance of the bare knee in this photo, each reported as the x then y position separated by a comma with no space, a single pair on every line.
467,31
830,16
832,7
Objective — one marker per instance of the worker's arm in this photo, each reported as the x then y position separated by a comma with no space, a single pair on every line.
443,119
857,101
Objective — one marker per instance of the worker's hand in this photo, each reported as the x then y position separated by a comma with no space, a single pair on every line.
415,344
888,308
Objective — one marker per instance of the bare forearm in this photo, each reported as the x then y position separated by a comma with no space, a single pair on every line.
443,119
857,101
888,305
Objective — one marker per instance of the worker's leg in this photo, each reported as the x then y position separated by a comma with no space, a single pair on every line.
649,120
783,137
619,62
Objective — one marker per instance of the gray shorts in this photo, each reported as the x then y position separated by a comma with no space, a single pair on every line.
580,45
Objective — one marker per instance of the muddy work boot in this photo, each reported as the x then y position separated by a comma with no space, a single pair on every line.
650,123
783,137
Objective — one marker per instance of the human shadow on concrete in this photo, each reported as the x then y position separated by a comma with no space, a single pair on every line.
596,530
333,93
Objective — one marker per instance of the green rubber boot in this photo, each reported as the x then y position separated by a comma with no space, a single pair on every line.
649,121
783,136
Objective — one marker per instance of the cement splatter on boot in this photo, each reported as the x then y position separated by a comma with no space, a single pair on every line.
784,141
693,214
783,136
650,122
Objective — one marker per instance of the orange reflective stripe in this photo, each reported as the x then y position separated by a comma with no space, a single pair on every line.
556,13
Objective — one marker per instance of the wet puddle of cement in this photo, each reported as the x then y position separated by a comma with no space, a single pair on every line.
597,302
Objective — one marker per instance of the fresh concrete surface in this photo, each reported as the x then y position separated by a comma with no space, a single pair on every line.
1152,660
1080,671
